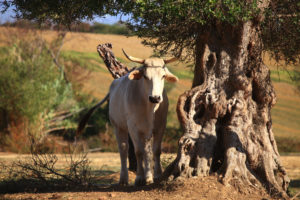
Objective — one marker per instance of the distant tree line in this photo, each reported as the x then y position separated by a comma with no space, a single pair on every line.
117,28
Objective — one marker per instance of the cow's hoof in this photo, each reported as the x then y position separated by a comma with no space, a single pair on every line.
123,182
156,179
149,180
139,181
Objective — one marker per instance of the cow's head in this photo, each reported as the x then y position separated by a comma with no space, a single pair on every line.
153,72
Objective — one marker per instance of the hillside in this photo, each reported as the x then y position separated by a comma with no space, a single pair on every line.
285,114
81,47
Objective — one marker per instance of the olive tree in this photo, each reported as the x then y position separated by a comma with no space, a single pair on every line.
226,115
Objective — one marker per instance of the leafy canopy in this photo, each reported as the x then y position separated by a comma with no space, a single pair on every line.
174,25
281,30
60,11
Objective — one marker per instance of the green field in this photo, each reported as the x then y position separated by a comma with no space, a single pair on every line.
285,114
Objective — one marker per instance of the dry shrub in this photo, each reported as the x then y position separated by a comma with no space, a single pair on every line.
45,172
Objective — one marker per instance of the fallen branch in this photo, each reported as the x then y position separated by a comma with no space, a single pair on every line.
115,67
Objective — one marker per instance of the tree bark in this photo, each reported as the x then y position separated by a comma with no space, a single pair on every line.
117,69
226,115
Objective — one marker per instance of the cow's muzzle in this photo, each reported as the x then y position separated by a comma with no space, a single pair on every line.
154,99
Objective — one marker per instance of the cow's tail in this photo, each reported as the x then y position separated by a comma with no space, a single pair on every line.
87,116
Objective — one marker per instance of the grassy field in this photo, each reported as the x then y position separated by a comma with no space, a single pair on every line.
81,59
285,114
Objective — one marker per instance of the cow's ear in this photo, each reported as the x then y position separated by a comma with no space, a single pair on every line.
135,75
170,77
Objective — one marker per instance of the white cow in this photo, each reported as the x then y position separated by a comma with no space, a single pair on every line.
138,106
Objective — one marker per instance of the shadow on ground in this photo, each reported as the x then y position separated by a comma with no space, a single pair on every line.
106,181
295,183
294,187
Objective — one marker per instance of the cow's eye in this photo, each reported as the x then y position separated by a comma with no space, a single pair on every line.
164,76
146,77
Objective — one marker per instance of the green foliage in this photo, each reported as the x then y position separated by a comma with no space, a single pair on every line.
158,21
173,26
35,97
61,12
202,12
29,82
281,30
117,29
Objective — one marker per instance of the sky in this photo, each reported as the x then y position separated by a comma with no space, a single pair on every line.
107,19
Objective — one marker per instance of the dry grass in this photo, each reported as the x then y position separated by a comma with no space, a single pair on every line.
87,42
286,113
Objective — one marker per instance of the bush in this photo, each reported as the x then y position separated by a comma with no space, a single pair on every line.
35,98
28,86
117,29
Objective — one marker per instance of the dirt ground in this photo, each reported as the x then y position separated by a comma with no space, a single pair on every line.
194,188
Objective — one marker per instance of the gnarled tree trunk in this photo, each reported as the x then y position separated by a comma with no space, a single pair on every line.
226,115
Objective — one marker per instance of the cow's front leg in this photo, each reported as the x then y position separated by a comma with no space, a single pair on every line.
148,160
139,154
122,138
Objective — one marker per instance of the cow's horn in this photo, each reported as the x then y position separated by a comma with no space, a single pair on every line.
133,59
170,60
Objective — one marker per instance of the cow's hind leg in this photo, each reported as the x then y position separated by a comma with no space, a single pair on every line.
158,132
122,138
